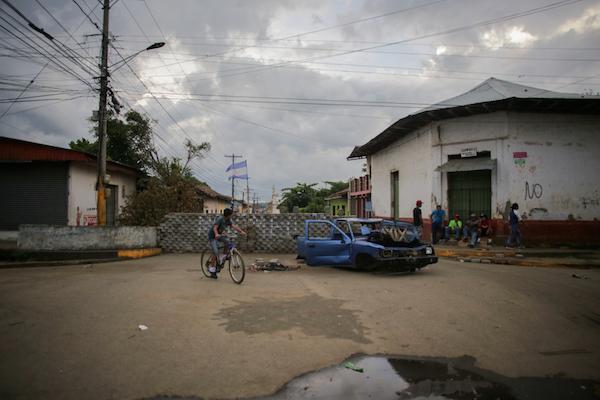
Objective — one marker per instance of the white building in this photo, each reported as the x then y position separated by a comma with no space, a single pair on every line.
44,184
494,145
213,202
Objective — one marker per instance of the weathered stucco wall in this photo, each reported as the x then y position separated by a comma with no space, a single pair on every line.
46,237
548,163
273,233
556,172
82,192
410,157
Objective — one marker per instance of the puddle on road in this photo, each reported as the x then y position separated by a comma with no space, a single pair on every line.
423,379
404,379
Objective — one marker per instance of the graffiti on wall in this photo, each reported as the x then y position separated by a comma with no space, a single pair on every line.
90,219
533,191
593,200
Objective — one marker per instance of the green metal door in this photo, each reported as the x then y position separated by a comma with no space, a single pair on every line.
470,192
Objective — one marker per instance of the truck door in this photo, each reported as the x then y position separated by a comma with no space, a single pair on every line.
326,244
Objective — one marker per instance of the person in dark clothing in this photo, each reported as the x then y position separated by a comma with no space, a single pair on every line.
471,228
418,218
437,223
515,232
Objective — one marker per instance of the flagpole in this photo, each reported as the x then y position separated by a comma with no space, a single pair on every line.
247,190
233,157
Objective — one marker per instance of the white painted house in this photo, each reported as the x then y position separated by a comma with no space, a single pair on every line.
50,185
496,144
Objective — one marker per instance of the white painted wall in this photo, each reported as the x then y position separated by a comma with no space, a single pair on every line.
485,132
410,157
215,206
82,192
562,164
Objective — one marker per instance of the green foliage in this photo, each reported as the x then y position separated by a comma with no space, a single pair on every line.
129,141
336,186
307,198
149,207
171,189
84,145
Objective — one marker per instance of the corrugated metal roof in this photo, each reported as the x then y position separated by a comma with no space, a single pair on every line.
489,96
209,192
21,150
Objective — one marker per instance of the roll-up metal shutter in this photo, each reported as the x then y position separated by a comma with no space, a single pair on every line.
33,193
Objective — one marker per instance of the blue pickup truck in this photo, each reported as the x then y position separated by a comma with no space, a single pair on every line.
364,244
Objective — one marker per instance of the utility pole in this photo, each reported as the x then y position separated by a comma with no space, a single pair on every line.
102,122
248,196
233,157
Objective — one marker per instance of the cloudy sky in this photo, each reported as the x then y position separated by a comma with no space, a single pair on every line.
291,85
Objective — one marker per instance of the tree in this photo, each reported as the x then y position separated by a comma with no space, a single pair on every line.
298,196
307,198
172,188
84,145
336,186
129,141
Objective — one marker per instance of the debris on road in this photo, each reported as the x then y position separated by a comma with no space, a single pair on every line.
577,276
353,367
271,265
142,327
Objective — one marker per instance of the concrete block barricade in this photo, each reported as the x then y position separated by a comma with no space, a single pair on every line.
83,238
269,233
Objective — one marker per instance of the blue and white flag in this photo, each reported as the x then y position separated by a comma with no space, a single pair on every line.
237,165
238,170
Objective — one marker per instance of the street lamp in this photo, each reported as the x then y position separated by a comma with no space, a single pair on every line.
102,120
124,61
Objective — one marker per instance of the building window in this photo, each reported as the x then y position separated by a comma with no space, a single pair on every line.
123,191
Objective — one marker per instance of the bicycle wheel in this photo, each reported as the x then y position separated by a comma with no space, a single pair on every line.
237,269
205,262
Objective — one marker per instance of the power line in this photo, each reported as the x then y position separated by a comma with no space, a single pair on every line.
339,25
39,49
415,38
66,51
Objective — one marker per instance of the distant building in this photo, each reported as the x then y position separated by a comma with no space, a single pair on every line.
44,184
213,202
273,205
497,144
359,197
338,203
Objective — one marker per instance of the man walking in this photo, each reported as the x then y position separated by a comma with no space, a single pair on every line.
515,232
418,218
437,223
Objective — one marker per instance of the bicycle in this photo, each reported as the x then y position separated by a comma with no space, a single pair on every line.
233,258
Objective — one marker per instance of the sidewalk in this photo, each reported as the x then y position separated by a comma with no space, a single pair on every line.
530,257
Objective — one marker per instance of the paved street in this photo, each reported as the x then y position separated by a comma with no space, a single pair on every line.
72,332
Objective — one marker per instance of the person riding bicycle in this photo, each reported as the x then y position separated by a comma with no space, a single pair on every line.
216,234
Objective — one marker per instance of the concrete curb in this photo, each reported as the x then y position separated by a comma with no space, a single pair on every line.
537,263
108,256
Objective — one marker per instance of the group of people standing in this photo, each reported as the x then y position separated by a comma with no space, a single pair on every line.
471,230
